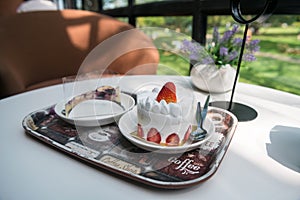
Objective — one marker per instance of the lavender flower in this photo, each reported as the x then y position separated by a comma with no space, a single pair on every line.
228,35
233,55
194,51
253,46
237,42
207,60
216,35
249,57
221,50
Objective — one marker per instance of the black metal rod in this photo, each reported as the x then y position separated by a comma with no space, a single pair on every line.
238,17
239,64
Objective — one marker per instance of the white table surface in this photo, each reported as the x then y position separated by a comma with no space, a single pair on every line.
262,162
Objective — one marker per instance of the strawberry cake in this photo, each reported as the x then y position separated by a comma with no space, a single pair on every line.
161,118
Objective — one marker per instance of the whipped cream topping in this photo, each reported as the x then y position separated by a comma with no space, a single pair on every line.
165,118
150,104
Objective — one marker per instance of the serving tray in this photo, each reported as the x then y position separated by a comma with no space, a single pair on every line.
105,147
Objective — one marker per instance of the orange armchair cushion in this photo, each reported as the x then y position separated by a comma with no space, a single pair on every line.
39,48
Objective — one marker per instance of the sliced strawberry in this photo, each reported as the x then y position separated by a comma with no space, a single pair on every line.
172,140
140,131
167,93
187,133
153,136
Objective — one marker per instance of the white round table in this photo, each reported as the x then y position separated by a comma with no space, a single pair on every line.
262,161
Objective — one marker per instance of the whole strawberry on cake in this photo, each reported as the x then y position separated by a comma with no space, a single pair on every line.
161,119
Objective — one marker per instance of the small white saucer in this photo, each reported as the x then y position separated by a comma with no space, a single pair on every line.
128,125
96,112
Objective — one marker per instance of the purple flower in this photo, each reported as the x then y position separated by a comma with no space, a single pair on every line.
237,41
207,60
235,29
253,46
232,56
216,35
249,57
229,34
194,56
223,51
194,51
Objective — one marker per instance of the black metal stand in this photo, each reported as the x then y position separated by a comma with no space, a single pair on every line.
241,111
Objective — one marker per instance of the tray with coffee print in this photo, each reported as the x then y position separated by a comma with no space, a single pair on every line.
105,147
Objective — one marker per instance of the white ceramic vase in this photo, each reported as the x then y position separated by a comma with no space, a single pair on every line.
210,79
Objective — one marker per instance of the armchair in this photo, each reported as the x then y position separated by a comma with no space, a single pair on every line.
39,48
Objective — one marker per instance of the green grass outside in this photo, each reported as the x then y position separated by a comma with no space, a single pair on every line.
277,65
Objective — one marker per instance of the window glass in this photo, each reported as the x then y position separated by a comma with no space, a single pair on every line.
146,1
111,4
